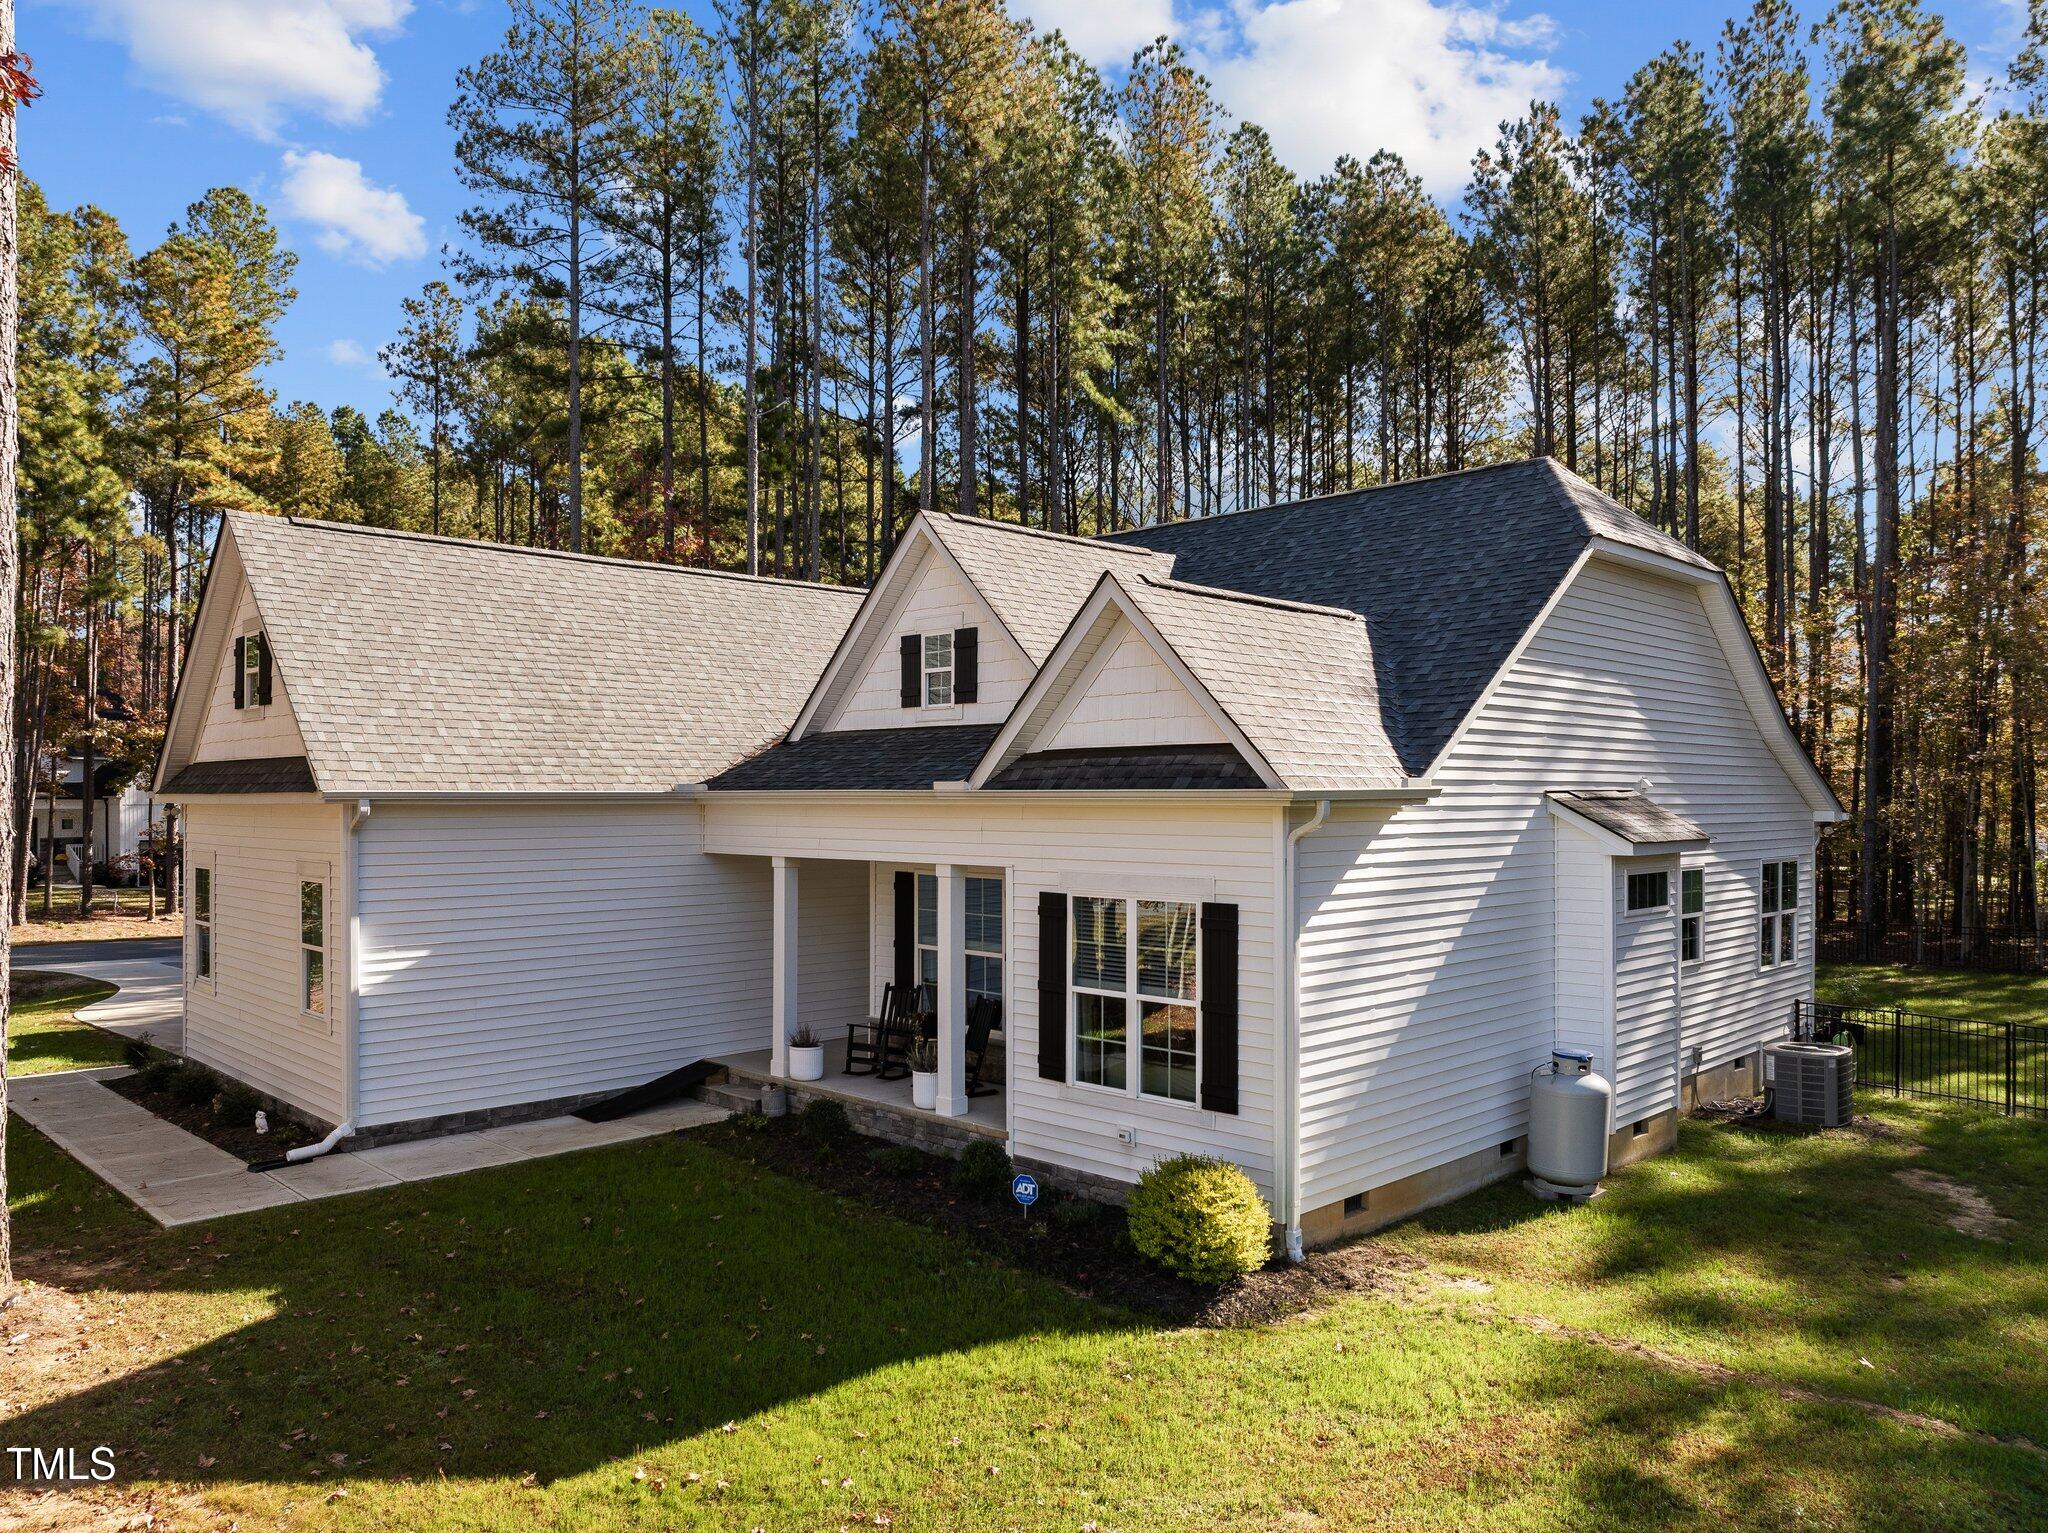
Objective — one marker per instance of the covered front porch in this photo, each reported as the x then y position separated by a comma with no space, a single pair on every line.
984,1117
847,933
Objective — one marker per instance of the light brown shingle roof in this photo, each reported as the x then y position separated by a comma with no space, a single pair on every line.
435,665
1297,680
1036,581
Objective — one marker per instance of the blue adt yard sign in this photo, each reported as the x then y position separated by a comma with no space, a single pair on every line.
1024,1188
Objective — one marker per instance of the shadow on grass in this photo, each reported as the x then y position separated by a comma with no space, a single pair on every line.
545,1318
1807,1255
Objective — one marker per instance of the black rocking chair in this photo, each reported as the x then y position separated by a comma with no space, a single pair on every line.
985,1016
867,1041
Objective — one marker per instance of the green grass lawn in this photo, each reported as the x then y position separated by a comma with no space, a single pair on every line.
658,1336
1939,992
43,1033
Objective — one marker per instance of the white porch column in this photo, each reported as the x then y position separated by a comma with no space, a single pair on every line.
952,990
784,1004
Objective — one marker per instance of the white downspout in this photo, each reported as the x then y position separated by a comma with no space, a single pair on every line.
1290,1033
347,1127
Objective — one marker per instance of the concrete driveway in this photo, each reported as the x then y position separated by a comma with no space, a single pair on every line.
149,972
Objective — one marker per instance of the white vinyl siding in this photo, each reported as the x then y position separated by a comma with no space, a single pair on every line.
228,733
523,953
1145,850
938,601
251,1022
1430,978
1128,696
1644,1070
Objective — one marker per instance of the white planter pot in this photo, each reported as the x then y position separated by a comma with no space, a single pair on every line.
807,1064
924,1089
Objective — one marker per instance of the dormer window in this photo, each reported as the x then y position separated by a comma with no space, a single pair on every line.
938,670
941,669
252,670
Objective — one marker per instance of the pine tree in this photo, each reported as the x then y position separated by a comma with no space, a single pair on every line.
427,362
538,139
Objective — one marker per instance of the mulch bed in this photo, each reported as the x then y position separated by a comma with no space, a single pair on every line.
237,1138
1075,1241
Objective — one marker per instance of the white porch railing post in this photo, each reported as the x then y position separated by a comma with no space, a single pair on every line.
952,998
784,1003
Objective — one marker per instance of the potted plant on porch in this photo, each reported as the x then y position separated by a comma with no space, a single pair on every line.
806,1055
924,1074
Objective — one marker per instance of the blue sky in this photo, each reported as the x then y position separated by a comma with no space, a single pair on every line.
331,112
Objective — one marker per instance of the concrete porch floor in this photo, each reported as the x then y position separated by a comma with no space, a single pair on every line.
984,1114
178,1178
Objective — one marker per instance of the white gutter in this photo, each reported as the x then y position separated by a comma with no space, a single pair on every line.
350,1053
1289,1178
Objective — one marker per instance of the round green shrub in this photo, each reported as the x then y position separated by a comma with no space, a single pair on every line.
1200,1218
825,1126
237,1104
983,1171
194,1085
136,1052
158,1074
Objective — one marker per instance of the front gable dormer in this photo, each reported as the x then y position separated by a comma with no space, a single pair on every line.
240,708
927,650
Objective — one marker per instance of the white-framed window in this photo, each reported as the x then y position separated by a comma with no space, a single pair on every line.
1132,974
1692,914
313,946
1778,917
938,670
250,657
202,921
1648,891
982,940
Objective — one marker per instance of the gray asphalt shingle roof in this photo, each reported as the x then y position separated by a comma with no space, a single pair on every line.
1448,573
1155,767
863,758
1632,815
260,774
436,665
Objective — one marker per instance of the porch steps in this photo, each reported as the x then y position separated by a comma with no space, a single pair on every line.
732,1096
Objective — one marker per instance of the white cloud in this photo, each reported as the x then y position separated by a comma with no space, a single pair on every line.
366,223
347,353
1105,32
253,61
1429,79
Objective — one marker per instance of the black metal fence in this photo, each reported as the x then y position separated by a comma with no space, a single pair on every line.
1990,952
2002,1065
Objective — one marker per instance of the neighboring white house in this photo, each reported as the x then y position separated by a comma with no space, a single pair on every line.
123,811
1297,836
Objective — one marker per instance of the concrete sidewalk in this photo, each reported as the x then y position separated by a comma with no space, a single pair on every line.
178,1178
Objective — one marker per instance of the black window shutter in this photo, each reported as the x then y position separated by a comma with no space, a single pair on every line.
263,668
966,665
1219,1008
906,931
913,669
1052,985
241,676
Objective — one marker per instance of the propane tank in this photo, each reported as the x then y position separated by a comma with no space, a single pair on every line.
1568,1106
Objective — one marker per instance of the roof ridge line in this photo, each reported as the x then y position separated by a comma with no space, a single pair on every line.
1310,500
486,545
1249,598
1097,541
